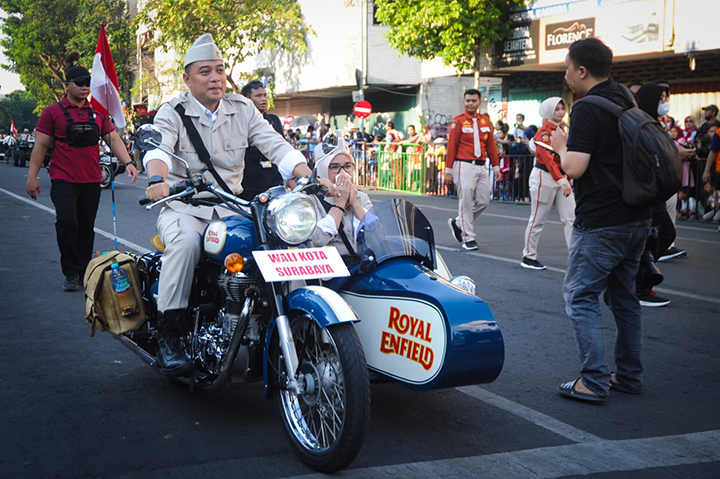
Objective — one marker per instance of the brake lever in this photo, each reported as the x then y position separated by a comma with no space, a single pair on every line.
182,194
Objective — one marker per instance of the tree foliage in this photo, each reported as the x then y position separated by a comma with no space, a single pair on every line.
18,106
43,38
240,28
455,30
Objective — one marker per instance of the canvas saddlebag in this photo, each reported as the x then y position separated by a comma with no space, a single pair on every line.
102,309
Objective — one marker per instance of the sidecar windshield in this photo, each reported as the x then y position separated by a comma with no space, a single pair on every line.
396,228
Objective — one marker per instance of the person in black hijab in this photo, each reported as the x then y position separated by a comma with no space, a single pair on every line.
651,99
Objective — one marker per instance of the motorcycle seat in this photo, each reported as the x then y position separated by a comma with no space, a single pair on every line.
157,243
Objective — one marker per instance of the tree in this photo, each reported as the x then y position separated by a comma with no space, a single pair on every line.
18,106
458,31
43,38
241,28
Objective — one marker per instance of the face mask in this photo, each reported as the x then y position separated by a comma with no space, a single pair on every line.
663,108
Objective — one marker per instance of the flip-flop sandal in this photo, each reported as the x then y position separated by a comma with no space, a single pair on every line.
623,389
568,390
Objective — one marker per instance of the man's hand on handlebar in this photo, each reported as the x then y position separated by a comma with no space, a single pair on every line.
158,191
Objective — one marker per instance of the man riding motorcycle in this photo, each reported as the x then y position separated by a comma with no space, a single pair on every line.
222,125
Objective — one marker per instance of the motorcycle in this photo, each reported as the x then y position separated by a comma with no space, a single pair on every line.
245,325
110,167
21,150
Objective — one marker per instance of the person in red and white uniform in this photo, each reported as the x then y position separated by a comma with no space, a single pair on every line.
471,142
549,185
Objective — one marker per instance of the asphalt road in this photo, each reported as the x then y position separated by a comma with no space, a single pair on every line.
72,406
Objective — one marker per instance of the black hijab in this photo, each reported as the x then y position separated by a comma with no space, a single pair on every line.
648,98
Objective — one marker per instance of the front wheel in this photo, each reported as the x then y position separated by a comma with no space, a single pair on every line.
106,175
326,424
22,158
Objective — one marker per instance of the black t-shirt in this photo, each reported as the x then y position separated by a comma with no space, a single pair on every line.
257,178
595,131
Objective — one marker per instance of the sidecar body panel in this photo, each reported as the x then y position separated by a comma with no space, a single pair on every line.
422,331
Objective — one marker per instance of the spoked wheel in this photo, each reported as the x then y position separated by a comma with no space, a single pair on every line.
326,424
106,176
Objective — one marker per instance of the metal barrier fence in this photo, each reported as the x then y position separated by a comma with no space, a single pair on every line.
417,168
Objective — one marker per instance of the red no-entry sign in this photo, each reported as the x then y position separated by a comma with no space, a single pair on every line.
362,109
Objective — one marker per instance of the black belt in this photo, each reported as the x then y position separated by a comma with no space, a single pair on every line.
540,166
474,162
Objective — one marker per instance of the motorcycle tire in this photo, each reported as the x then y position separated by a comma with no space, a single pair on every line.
22,158
325,426
15,159
106,176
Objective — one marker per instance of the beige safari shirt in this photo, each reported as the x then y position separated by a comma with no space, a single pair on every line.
238,125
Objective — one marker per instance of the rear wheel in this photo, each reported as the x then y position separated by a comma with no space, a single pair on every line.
106,176
22,158
326,424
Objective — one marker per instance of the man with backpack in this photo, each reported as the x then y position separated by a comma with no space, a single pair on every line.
609,233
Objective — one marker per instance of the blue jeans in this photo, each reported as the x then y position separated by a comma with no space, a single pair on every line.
606,260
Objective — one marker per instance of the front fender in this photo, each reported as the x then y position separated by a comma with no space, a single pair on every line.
324,305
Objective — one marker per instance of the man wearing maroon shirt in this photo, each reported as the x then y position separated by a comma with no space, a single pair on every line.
74,171
471,142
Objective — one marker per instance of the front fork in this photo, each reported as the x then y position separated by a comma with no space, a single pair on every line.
287,344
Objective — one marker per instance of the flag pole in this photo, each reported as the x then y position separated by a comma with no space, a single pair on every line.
112,166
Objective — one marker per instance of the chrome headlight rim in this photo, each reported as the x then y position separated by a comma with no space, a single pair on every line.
291,218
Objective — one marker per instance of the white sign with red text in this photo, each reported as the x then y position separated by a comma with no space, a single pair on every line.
307,263
403,338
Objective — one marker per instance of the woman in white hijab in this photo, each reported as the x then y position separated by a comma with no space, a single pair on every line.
342,214
548,184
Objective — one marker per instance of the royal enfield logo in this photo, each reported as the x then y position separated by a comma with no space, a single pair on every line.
562,35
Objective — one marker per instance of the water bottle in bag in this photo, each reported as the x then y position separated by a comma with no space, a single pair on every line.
121,284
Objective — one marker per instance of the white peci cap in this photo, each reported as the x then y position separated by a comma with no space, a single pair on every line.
204,48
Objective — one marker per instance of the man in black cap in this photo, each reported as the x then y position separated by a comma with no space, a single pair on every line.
74,170
260,173
710,112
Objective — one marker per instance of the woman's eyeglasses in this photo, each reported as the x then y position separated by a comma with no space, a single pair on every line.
347,167
689,121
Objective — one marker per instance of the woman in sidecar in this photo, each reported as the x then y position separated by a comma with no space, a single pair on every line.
343,214
418,325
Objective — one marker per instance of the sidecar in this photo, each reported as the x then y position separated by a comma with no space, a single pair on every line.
416,326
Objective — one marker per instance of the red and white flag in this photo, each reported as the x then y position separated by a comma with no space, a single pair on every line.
12,127
104,84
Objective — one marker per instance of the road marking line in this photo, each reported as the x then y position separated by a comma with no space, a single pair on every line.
560,461
104,233
563,271
535,417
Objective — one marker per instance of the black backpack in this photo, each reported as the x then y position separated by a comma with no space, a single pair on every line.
652,169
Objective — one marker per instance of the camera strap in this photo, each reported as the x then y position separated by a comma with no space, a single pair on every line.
199,146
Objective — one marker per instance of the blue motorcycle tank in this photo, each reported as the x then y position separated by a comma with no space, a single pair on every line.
232,234
421,330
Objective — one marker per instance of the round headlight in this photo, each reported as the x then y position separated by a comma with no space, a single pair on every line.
292,218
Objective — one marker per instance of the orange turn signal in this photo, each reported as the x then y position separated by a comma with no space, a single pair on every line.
234,262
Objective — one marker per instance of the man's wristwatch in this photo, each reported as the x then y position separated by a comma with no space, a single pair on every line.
155,179
131,162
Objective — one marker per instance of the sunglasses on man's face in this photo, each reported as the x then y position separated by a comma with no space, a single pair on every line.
334,167
85,82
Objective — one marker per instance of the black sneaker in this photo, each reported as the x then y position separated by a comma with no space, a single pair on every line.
454,230
531,263
72,282
652,300
470,245
673,253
